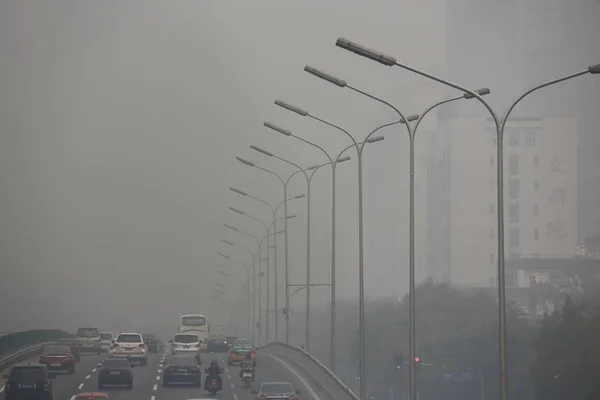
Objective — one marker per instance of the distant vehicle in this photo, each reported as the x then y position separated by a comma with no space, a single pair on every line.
239,351
58,358
186,344
278,390
73,344
106,339
115,371
31,381
196,324
182,369
90,340
130,346
218,344
151,342
92,396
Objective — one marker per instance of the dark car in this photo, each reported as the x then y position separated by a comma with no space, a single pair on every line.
218,345
279,390
152,343
115,371
58,358
182,369
32,381
73,344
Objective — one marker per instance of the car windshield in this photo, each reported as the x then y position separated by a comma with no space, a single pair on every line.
87,332
182,361
185,338
57,350
113,363
129,338
27,375
106,336
276,388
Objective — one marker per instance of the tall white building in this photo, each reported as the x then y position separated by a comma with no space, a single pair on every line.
552,143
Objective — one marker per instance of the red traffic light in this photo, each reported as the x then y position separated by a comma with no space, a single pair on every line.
417,359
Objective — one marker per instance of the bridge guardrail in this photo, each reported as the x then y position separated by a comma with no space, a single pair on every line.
322,377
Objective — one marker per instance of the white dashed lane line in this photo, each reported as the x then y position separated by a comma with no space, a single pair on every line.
72,397
155,387
228,376
159,371
153,398
87,376
232,385
94,370
157,378
80,386
235,397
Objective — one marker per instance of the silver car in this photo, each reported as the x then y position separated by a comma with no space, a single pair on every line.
186,344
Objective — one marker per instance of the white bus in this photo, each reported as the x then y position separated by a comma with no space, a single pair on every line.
196,324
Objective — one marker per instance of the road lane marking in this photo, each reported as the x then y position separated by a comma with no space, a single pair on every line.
73,397
312,392
159,371
228,376
155,387
80,386
235,397
227,370
87,376
153,398
94,370
158,377
1,389
232,385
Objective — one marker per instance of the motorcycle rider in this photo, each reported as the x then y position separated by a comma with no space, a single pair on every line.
213,371
248,365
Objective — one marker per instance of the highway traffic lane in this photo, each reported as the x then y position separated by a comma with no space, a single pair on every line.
269,369
64,384
186,392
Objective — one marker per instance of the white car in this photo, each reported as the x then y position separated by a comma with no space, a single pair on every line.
130,346
106,339
186,343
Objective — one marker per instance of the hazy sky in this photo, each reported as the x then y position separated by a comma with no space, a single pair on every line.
120,125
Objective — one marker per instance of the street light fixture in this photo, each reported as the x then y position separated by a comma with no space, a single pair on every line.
411,134
500,123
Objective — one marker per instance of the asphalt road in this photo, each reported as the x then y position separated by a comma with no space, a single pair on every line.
147,383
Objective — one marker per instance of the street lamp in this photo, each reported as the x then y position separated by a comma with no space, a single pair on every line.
247,278
233,228
374,139
500,123
274,212
411,135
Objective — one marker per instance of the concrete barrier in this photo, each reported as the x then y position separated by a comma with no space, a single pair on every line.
318,376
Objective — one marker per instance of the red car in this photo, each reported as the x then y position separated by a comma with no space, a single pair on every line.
58,358
92,396
73,344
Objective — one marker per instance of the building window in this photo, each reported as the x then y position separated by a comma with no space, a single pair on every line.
536,233
513,188
513,213
491,233
535,185
535,209
513,164
530,138
513,237
513,139
536,161
491,208
492,258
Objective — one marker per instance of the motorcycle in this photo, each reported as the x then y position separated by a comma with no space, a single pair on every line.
247,378
213,383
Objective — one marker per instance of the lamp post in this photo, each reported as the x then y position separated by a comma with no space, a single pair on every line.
256,264
500,123
373,139
276,279
411,134
268,153
245,288
247,278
